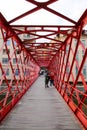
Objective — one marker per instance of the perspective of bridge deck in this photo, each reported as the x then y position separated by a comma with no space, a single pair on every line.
41,109
41,40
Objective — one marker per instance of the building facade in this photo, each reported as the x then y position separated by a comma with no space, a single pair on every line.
78,59
10,48
4,53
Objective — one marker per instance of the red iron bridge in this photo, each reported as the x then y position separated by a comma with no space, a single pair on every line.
25,103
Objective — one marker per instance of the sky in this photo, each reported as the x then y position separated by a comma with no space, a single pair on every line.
70,8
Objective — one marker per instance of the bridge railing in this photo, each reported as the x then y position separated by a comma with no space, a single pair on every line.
70,73
18,70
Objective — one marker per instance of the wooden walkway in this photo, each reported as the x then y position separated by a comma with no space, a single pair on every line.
40,109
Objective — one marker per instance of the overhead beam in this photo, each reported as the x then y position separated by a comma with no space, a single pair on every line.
25,14
49,26
7,27
83,19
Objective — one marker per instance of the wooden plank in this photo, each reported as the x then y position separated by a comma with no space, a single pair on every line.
41,109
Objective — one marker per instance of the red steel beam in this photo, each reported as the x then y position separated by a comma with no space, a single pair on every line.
39,6
7,27
25,14
83,20
68,91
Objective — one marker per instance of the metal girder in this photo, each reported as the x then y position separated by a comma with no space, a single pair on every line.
22,74
52,54
32,46
11,33
83,20
63,66
44,6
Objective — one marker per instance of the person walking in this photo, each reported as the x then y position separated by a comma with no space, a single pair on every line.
51,79
47,78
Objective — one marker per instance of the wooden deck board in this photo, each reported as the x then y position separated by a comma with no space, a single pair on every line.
40,109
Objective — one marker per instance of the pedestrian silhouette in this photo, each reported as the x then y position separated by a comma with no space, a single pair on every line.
47,78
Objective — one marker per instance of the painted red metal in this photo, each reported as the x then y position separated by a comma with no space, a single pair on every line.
75,98
24,70
59,56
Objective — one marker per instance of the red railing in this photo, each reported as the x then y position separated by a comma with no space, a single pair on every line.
60,56
18,70
70,71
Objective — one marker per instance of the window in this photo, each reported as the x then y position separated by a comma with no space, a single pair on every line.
8,42
75,42
67,70
83,53
67,49
7,72
76,70
14,60
15,43
16,72
5,52
4,60
77,57
84,42
84,71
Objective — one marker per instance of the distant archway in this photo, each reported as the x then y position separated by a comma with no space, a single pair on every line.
41,0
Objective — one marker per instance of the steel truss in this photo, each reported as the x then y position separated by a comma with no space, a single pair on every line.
55,55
